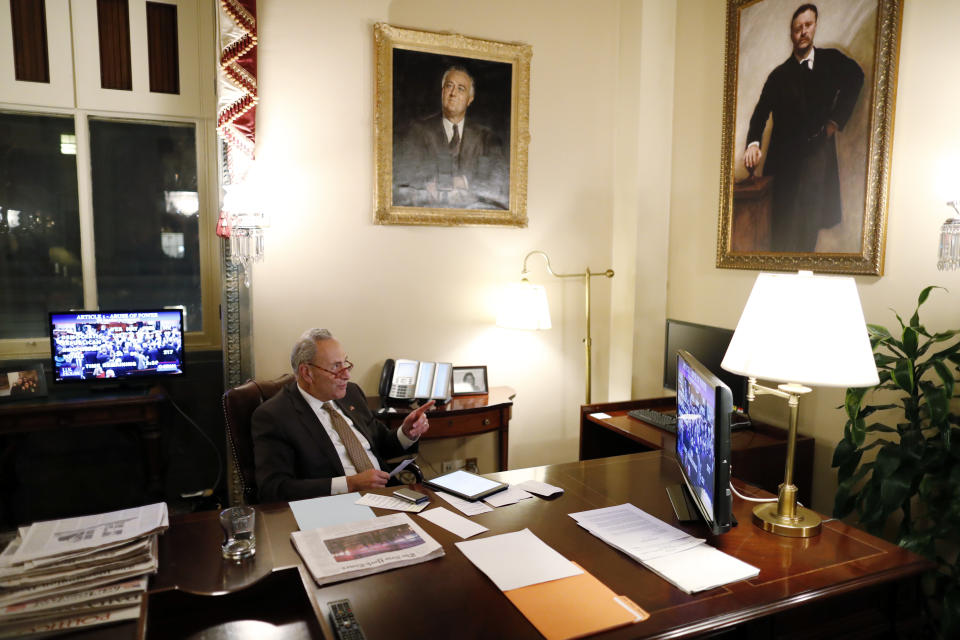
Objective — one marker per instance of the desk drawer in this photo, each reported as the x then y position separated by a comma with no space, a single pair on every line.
463,425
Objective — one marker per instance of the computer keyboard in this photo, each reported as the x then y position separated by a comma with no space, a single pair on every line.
665,421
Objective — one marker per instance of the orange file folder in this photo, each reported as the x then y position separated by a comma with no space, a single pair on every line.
574,607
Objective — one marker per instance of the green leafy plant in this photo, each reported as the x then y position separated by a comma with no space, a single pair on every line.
915,474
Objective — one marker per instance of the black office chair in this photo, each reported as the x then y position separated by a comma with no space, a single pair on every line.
239,403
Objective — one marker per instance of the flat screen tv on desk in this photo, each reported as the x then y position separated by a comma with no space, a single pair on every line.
703,441
116,346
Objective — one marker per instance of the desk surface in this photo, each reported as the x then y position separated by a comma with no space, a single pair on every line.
431,599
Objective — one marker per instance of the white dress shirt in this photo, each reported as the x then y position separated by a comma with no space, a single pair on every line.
338,485
448,128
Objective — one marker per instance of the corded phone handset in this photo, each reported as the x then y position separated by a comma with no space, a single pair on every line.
403,381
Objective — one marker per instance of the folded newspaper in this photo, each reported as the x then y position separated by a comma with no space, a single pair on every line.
346,551
62,575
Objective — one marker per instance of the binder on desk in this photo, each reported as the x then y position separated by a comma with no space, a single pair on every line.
574,607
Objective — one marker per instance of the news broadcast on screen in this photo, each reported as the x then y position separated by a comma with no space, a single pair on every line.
129,344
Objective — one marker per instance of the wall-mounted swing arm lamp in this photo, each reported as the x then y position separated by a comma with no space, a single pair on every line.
525,305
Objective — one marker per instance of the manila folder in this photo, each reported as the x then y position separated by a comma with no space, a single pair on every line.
574,607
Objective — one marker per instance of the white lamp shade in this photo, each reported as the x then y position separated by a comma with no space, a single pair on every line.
803,328
524,306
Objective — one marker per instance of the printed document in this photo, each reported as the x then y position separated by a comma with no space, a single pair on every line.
465,507
688,563
389,502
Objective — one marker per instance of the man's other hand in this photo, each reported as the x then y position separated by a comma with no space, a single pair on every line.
751,157
416,423
369,479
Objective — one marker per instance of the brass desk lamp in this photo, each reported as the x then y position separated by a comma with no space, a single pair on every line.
799,329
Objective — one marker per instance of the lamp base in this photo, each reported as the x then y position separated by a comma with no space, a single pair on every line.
805,524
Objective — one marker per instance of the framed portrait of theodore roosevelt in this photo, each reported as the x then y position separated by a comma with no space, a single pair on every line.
809,92
450,128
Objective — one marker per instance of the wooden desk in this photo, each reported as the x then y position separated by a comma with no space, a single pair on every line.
757,454
69,409
832,585
464,416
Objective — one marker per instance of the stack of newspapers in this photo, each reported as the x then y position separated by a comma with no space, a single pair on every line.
345,551
62,575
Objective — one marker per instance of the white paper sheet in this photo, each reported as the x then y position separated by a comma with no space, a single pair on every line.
456,524
700,568
539,488
518,559
600,415
510,495
464,506
389,502
314,513
400,467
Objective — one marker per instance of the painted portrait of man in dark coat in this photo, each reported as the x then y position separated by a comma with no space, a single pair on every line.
805,129
451,132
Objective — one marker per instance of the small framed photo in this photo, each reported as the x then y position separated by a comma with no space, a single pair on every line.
469,381
22,382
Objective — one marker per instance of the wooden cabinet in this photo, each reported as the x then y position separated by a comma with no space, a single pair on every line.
465,416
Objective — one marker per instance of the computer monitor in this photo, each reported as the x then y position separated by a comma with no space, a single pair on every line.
704,403
116,347
708,345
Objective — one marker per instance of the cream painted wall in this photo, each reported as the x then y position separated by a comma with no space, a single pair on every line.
424,292
926,136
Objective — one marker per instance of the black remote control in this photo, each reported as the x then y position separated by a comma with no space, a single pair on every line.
344,622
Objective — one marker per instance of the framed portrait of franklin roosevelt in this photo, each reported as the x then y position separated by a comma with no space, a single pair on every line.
809,93
450,129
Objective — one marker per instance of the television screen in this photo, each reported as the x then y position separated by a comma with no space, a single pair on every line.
703,440
119,345
708,345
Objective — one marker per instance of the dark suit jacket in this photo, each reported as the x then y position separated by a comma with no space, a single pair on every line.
806,187
294,457
801,110
422,155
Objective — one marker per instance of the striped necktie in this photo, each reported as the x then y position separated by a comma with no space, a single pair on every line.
455,139
358,456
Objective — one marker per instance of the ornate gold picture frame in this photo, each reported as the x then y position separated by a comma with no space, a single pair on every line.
817,197
451,129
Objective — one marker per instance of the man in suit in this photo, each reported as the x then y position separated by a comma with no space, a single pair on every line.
317,437
445,161
811,97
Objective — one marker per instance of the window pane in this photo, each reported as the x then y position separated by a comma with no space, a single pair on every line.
39,222
145,210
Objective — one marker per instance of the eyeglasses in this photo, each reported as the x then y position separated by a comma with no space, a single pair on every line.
339,370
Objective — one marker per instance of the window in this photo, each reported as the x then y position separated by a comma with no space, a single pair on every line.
145,189
107,195
39,223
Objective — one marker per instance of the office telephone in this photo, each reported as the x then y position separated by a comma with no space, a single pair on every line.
403,381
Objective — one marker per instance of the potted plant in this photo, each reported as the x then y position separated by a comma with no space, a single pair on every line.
915,473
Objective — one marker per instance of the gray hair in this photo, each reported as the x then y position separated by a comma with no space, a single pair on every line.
461,69
305,349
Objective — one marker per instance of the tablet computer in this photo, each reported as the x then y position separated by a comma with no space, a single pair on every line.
466,485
